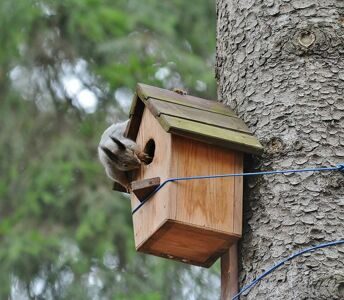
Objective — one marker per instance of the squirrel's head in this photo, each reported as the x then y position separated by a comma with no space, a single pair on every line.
124,158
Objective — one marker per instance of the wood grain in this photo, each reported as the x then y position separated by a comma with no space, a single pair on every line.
229,273
238,194
187,243
155,211
190,221
143,188
211,134
145,92
158,107
207,121
135,115
207,202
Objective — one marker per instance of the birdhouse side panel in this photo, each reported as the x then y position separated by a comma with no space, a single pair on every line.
238,193
155,211
215,204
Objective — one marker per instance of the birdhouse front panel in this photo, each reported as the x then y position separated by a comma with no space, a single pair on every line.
156,211
193,221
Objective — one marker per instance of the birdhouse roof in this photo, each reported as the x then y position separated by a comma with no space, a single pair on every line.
204,120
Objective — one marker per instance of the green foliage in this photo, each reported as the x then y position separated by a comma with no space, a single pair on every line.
64,233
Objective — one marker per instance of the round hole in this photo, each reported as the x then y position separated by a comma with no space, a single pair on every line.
149,150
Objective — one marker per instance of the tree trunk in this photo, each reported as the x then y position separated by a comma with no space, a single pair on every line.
280,65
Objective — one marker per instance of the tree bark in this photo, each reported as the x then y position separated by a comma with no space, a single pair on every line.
280,65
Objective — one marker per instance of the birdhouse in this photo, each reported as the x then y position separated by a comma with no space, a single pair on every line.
192,221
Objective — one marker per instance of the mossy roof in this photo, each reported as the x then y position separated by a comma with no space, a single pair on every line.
204,120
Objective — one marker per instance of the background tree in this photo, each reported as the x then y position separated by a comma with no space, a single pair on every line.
67,70
280,66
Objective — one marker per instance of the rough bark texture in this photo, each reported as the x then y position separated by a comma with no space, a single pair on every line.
280,65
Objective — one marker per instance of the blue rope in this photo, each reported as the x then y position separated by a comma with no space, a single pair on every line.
282,262
339,167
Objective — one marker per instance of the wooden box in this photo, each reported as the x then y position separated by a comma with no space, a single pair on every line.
191,221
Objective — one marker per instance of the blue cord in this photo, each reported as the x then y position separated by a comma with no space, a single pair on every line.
282,262
339,167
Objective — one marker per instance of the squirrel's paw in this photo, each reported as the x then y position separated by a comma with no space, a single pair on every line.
144,158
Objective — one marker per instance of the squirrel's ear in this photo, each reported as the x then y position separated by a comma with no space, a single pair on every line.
109,154
120,145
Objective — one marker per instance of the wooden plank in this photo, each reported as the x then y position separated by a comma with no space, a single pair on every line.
229,273
143,188
158,107
135,118
145,92
133,104
210,134
225,275
155,211
190,244
208,202
238,194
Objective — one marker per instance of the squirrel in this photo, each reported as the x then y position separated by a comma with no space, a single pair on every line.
119,154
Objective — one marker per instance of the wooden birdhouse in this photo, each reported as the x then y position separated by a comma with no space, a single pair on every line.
191,221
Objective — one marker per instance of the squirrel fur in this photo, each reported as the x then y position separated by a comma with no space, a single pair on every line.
119,154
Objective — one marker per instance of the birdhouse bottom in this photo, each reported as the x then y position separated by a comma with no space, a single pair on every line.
188,244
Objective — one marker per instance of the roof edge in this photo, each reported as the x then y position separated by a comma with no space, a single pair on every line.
248,144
